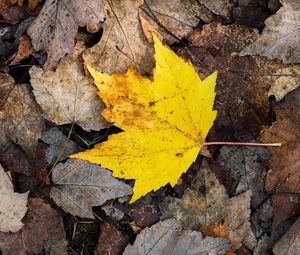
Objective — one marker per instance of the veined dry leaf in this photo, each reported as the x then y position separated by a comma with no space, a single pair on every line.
290,242
6,86
13,206
56,26
284,81
42,226
123,43
196,210
55,141
67,95
247,168
167,237
79,185
165,121
20,116
177,17
219,7
281,37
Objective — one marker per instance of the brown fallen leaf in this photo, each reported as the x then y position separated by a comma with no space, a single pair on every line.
78,186
42,225
56,26
11,14
280,38
283,178
251,13
111,240
13,206
67,95
24,49
207,204
6,3
20,117
167,237
243,82
123,43
143,215
171,20
290,242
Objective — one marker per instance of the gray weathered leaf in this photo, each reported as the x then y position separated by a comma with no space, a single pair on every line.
167,237
178,17
78,186
247,168
195,210
56,26
67,95
55,140
281,37
13,206
219,7
123,43
289,244
284,80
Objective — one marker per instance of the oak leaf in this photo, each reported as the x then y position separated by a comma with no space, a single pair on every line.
165,121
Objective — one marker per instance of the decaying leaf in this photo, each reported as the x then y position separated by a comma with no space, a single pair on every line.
248,170
219,7
67,95
56,26
13,206
242,91
167,237
284,81
78,186
20,117
6,86
207,204
290,242
165,121
123,43
24,49
42,226
280,38
171,20
55,141
111,240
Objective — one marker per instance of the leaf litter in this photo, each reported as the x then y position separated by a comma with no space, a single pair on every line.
216,35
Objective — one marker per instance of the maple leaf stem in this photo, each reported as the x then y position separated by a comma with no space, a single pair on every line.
245,144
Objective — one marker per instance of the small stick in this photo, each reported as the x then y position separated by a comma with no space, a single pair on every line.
245,144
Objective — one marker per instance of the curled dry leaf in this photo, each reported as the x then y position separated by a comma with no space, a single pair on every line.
20,116
123,43
167,237
207,204
42,226
67,95
13,206
171,20
56,26
280,38
78,186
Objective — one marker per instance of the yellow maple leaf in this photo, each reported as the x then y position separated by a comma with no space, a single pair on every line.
165,121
